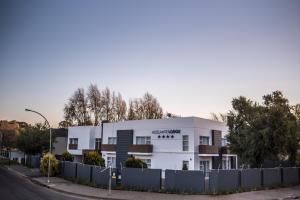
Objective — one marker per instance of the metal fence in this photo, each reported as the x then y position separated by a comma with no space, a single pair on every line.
183,181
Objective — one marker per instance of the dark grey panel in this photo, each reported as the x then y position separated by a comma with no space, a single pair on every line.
70,170
290,176
224,180
100,176
271,177
145,179
84,173
184,181
124,139
251,178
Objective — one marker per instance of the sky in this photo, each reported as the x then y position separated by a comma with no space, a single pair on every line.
194,56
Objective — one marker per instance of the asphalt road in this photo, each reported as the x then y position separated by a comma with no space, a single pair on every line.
15,187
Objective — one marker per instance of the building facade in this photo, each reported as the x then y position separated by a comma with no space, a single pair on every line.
174,143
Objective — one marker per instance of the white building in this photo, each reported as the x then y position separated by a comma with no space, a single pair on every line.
162,143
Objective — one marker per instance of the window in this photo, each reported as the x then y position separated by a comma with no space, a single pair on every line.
204,140
97,143
185,143
185,165
143,140
148,162
111,161
112,140
225,164
204,165
73,140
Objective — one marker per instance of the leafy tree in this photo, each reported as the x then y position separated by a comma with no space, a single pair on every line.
34,140
219,117
66,156
94,158
54,165
147,107
95,103
133,162
64,124
76,110
259,132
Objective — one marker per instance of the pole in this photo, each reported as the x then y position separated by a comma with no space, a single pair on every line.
49,160
109,181
50,148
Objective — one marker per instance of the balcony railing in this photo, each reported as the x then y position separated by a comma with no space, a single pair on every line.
108,147
208,149
225,150
141,148
73,146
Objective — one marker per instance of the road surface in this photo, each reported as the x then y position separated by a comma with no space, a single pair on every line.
15,187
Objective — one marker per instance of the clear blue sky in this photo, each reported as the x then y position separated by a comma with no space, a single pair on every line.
194,56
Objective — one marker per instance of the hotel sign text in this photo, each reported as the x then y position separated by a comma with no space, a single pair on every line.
168,131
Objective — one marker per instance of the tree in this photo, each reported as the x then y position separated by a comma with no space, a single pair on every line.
259,132
76,110
133,162
66,156
95,103
54,165
34,140
94,158
147,107
119,108
219,117
64,124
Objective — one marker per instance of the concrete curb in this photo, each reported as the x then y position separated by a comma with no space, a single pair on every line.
71,193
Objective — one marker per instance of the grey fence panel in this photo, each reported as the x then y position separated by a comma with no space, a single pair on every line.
84,173
145,179
271,177
184,181
290,176
224,180
251,178
70,170
100,176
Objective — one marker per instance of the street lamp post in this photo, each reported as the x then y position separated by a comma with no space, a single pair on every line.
50,145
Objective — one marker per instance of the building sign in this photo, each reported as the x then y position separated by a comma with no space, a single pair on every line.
167,131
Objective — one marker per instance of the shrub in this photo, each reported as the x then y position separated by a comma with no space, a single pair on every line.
66,156
94,158
54,165
133,162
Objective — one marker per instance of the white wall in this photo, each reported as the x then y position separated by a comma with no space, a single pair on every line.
86,137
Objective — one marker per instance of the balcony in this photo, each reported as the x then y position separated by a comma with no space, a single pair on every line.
141,148
108,147
73,146
208,149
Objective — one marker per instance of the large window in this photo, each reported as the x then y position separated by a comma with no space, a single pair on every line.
112,140
204,140
97,143
148,162
143,140
185,143
73,140
111,161
204,166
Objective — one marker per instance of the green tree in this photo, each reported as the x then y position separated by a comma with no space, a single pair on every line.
133,162
94,158
34,140
267,131
66,156
54,165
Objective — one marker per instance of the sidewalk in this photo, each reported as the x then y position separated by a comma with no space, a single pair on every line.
69,187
